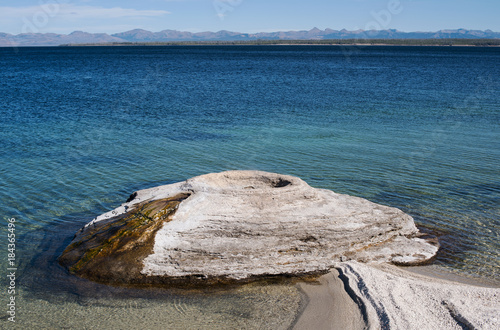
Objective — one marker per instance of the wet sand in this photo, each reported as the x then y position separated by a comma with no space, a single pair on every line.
328,305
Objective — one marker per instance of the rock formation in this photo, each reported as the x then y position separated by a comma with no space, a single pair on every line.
237,226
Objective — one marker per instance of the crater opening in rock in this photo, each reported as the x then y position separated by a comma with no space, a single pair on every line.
280,182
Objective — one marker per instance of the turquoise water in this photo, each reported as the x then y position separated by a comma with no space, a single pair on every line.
416,128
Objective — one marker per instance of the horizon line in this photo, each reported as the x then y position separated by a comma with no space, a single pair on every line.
250,33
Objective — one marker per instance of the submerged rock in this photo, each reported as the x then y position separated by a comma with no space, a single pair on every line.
239,225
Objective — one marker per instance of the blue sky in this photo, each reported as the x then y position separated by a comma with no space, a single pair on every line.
65,16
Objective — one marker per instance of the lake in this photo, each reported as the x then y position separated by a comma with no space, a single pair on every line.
417,128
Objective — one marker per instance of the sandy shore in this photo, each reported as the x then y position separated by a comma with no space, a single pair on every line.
329,306
361,296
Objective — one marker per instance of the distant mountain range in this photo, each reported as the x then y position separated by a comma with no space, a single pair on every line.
138,35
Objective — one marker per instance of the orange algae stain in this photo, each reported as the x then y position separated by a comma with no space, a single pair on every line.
113,251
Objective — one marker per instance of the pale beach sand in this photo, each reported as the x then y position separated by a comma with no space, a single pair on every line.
328,305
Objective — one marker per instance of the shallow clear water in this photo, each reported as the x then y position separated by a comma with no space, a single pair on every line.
416,128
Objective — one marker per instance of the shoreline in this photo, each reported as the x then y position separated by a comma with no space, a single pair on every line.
441,273
327,303
270,44
359,296
306,42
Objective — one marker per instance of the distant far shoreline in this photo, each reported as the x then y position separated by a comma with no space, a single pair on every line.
332,42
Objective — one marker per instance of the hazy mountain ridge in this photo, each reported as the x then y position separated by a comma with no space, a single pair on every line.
139,35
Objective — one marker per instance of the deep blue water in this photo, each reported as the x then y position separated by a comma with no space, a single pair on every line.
416,128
